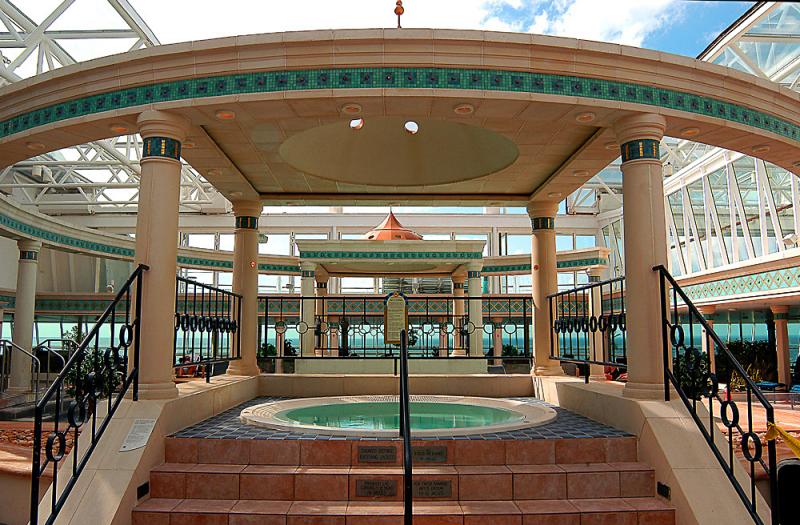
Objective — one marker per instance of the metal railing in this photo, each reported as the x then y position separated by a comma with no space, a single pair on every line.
104,366
207,321
588,326
696,361
405,433
7,349
352,326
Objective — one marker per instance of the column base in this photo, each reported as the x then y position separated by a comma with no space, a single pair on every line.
644,391
550,370
242,369
158,390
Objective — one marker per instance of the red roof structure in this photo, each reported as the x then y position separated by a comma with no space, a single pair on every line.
391,230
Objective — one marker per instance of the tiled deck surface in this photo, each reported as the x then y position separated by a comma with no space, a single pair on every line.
226,425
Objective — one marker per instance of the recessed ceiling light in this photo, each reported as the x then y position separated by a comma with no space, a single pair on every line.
35,146
225,114
119,128
411,127
554,195
351,108
585,118
357,123
762,148
690,132
581,173
464,109
611,145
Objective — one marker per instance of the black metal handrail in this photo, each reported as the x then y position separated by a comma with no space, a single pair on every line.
694,375
207,321
94,371
405,432
588,324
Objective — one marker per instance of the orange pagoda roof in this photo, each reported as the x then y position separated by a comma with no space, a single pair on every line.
391,230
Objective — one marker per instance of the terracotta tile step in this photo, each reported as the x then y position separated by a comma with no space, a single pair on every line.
387,453
620,511
460,482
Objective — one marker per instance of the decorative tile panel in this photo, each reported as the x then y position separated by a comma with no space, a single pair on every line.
399,77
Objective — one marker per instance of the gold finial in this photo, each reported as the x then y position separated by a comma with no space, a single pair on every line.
398,10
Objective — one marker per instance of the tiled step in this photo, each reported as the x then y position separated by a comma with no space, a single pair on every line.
619,511
387,453
362,483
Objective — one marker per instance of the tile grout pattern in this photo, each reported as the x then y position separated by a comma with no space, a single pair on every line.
226,425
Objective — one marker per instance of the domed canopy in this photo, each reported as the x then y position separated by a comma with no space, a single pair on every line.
391,230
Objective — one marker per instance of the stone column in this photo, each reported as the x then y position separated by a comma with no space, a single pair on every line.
307,308
707,345
245,283
321,291
544,281
645,247
24,310
596,372
497,339
157,247
781,316
475,308
458,315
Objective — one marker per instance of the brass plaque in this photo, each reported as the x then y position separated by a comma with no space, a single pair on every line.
376,488
429,454
434,488
376,454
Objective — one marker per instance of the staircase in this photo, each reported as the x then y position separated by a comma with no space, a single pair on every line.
350,482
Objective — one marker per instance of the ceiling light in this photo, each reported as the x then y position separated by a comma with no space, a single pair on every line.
35,146
119,128
412,127
357,123
351,108
225,114
611,145
585,118
690,132
464,109
762,148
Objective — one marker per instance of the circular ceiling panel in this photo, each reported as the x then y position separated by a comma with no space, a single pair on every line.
383,151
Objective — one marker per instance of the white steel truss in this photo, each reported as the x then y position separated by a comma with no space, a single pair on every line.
102,176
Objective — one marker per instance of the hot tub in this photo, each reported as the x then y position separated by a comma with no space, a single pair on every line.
378,416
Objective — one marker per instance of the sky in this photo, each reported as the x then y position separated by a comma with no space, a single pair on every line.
675,26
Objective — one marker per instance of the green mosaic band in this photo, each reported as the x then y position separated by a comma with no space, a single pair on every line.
781,316
473,274
28,255
543,223
245,222
161,147
307,273
398,77
640,149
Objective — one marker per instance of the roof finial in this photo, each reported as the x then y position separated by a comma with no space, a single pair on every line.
398,10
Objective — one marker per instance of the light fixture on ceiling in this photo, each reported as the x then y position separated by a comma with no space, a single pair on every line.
464,109
357,123
225,114
690,132
411,127
351,108
761,148
119,128
35,146
585,118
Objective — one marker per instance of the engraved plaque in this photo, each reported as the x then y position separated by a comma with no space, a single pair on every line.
376,454
429,454
376,488
434,488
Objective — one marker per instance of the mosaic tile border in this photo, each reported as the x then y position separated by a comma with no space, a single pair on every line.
398,77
